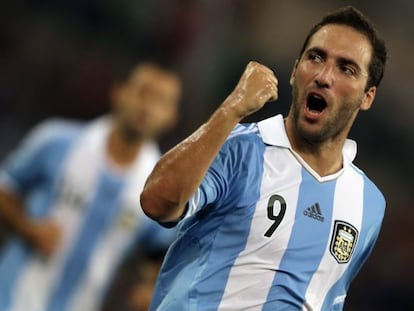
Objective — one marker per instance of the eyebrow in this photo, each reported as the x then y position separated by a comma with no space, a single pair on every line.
340,60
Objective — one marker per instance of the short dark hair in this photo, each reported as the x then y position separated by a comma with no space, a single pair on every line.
122,69
349,16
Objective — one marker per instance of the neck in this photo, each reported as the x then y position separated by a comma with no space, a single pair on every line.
325,157
121,149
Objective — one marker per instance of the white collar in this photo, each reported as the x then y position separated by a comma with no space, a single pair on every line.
273,132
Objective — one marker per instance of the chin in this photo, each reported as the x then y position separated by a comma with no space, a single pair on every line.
132,133
311,133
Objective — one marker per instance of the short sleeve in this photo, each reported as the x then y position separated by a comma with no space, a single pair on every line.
212,188
228,180
234,167
25,165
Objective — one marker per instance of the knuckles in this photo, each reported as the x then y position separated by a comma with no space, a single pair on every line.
258,84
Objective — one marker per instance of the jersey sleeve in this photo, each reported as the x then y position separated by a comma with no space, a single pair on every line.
234,167
214,187
215,184
26,164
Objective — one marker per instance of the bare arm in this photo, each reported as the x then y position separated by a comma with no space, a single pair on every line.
43,235
180,171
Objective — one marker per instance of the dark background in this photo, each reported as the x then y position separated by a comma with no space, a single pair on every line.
58,58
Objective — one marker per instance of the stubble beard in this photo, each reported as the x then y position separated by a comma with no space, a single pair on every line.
130,134
336,124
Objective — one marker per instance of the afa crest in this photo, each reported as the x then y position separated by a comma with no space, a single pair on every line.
343,241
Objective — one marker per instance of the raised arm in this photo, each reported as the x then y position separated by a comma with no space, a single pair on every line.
180,171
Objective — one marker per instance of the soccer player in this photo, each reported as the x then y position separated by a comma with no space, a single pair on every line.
274,215
69,195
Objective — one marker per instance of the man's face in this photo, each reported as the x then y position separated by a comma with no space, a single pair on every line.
146,105
328,83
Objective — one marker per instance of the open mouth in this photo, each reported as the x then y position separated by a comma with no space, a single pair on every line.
315,103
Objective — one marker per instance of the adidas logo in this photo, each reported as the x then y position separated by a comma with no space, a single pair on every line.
314,212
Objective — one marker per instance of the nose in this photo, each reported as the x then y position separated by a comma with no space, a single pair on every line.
324,77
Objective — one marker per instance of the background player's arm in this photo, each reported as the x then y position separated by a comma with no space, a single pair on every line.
43,235
180,171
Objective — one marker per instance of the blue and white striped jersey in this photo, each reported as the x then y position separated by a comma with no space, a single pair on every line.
265,232
62,171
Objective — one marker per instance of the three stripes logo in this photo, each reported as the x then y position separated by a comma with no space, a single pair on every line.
314,212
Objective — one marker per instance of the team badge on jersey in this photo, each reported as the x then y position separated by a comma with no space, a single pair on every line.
343,241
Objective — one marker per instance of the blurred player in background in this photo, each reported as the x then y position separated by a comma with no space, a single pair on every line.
69,196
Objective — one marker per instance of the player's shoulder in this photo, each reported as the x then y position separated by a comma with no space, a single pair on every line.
244,136
243,144
370,187
58,126
54,130
244,131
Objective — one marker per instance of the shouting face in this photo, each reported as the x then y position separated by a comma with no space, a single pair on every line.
328,84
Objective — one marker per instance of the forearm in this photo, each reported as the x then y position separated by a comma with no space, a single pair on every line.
180,171
43,235
12,215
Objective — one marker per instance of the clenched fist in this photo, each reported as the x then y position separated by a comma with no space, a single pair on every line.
257,85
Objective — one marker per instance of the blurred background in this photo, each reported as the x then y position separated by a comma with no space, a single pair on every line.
58,59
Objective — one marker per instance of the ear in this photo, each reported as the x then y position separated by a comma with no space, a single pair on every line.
368,98
115,94
292,75
173,121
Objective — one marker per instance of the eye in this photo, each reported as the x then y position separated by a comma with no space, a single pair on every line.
347,69
315,57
